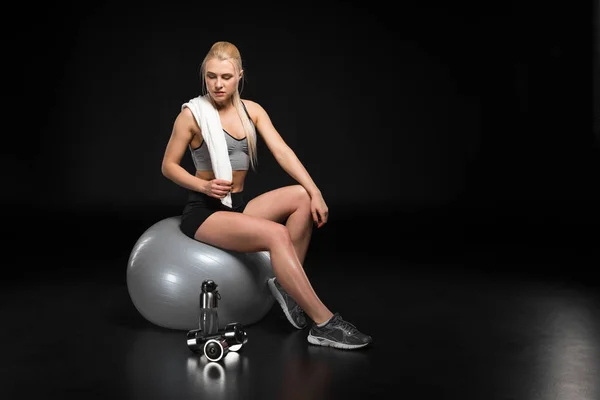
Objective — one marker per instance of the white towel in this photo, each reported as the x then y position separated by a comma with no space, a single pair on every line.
209,122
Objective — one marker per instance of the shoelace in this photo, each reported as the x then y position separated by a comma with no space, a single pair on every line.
299,310
287,296
346,326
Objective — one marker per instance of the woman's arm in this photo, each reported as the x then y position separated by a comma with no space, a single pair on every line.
284,155
181,135
288,160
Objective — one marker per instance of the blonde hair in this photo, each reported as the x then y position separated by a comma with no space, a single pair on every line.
228,51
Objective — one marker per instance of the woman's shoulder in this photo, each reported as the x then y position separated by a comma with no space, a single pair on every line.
186,120
253,107
249,103
185,115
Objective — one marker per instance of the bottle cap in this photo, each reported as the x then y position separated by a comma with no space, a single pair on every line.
209,286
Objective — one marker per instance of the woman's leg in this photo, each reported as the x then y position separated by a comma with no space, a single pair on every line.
246,233
289,205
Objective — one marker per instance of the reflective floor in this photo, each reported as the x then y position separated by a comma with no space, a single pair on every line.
482,329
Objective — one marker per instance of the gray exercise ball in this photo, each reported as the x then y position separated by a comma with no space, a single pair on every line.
166,269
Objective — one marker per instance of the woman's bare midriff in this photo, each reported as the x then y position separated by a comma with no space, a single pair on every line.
238,178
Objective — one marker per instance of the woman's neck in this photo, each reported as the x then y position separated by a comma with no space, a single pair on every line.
222,106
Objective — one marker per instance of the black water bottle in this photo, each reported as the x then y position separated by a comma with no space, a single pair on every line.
209,318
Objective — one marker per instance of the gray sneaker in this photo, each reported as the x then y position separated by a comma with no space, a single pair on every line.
291,309
338,333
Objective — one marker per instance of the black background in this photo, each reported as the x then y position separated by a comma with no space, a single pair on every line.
433,129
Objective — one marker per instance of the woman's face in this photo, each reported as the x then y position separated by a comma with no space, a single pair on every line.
221,80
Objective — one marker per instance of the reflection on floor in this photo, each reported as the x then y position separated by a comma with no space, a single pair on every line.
441,331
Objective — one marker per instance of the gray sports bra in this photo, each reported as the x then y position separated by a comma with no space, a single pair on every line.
237,149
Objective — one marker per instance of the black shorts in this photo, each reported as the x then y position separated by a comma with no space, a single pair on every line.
200,206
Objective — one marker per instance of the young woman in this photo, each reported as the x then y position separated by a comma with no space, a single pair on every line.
279,221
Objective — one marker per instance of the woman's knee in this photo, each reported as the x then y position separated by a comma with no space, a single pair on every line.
279,234
301,197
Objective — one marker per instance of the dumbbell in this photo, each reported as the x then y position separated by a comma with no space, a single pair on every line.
216,346
235,335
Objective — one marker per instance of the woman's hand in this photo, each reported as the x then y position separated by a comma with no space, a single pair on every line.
218,188
319,210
